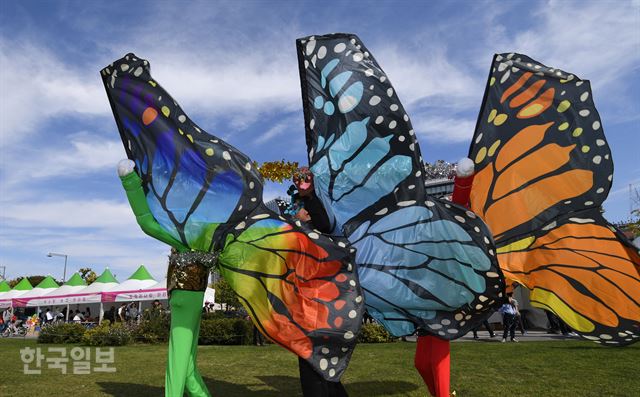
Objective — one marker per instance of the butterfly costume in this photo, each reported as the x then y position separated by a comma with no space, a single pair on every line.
202,196
424,263
541,157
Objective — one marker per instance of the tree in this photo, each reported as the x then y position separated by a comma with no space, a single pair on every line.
225,295
634,225
88,275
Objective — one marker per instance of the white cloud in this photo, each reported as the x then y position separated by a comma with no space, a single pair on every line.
122,257
442,129
280,128
84,154
247,86
69,214
95,233
429,74
244,79
37,85
595,40
591,39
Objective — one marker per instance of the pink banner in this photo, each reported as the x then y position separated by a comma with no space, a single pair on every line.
136,295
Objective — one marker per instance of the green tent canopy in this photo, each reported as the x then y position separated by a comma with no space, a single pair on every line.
141,274
75,280
48,282
106,277
4,286
23,285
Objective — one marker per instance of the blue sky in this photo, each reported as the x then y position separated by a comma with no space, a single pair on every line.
233,68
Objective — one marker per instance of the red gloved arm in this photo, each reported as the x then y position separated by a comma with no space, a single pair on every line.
463,182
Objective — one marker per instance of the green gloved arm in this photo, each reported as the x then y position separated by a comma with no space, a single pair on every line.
186,306
133,187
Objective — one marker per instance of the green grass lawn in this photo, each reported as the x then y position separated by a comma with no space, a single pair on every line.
553,368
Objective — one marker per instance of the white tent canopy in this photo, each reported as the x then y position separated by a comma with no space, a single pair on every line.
6,299
44,287
137,287
67,294
3,300
105,282
93,293
156,291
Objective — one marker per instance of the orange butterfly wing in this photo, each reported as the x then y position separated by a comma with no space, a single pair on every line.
582,270
543,168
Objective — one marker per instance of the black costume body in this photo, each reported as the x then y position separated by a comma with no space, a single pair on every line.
314,385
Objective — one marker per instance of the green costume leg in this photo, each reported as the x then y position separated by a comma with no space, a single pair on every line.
186,310
195,385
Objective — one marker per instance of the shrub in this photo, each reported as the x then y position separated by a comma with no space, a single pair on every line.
106,334
61,333
374,333
154,327
225,331
214,315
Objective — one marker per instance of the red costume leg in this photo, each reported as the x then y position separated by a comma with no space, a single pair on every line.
432,361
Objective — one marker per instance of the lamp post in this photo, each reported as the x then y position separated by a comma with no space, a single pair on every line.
64,275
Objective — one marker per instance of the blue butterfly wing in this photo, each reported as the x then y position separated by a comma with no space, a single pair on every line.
197,186
423,263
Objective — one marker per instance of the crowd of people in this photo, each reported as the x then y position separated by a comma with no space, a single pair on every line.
128,312
12,319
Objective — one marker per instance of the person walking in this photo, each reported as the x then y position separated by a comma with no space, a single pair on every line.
487,326
48,316
122,312
509,312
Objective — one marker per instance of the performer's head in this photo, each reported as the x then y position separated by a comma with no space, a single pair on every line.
303,179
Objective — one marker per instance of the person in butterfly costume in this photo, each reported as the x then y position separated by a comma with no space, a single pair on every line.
425,264
306,207
203,197
543,168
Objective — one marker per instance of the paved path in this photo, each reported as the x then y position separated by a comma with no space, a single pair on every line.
483,337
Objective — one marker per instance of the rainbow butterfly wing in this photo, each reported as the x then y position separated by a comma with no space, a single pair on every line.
300,287
422,262
197,186
543,168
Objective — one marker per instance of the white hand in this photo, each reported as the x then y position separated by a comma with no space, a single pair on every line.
125,167
464,168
